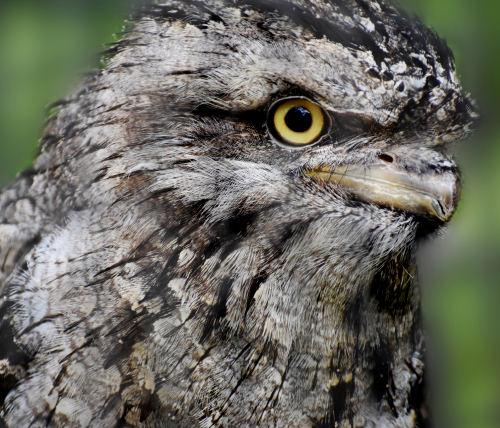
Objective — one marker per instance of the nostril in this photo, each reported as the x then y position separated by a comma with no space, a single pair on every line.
386,158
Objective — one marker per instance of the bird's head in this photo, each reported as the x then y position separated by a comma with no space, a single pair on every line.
279,160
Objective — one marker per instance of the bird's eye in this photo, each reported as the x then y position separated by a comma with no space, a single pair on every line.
297,122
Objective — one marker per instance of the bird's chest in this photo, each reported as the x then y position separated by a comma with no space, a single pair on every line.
261,385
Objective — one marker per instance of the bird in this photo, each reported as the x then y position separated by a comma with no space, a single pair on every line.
221,225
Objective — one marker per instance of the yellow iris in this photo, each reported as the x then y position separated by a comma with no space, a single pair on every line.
287,133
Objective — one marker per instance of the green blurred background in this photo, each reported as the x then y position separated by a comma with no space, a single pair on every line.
45,46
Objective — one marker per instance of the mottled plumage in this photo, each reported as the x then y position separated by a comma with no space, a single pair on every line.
168,262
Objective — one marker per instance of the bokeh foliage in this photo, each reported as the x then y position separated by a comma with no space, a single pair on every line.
45,47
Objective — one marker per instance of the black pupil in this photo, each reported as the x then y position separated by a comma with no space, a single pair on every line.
298,119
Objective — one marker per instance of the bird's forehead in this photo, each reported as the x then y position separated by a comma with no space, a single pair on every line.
362,58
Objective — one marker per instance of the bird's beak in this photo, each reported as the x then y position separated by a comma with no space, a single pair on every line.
390,185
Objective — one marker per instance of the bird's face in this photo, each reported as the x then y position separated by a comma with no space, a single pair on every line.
375,127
